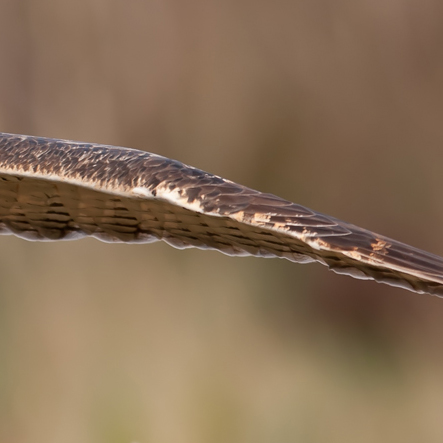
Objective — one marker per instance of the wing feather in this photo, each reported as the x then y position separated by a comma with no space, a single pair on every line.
61,190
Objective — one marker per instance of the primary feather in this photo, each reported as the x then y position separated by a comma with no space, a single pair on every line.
60,190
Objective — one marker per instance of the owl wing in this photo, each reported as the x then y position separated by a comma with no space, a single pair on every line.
61,190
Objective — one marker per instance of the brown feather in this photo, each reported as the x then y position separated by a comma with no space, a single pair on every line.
61,190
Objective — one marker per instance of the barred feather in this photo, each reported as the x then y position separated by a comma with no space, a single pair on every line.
62,190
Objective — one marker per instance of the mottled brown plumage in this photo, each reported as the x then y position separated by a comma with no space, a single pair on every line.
60,190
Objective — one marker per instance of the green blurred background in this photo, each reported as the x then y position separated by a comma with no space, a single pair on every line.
336,105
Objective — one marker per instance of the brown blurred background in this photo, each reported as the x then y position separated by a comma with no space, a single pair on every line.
337,105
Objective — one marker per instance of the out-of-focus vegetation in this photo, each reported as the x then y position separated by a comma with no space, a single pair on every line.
335,105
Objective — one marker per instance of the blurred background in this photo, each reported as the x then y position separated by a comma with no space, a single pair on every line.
336,105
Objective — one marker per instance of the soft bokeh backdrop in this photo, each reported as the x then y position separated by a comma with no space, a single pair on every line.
337,105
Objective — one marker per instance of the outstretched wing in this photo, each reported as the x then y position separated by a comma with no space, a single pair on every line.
61,190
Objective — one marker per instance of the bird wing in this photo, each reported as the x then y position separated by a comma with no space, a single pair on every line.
61,190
